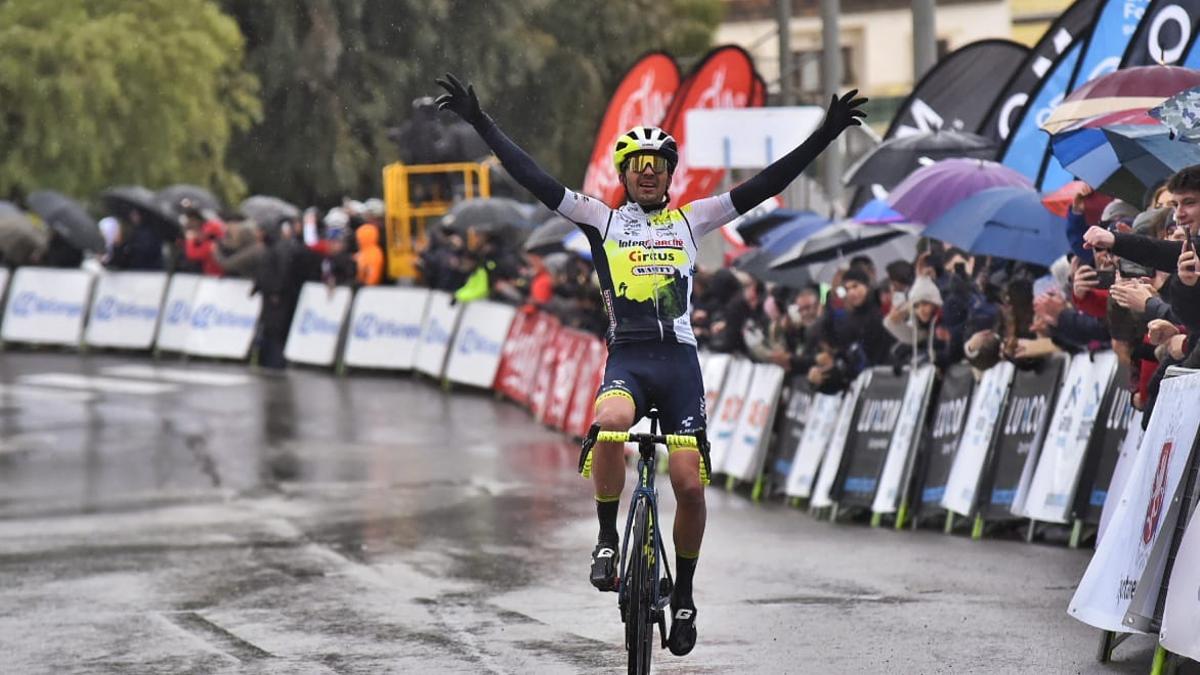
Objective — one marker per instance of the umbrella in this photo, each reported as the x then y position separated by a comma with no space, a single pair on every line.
891,161
876,212
1005,222
1123,160
753,231
1134,89
757,263
19,237
1181,114
550,236
266,210
486,214
1059,202
930,191
839,240
175,199
122,201
901,247
66,217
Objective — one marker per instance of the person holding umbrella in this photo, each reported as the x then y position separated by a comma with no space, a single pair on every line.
644,255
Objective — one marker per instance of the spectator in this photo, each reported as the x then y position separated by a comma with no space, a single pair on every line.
369,259
273,282
201,240
854,336
914,325
140,246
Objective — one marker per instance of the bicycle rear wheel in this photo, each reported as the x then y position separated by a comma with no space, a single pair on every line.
641,588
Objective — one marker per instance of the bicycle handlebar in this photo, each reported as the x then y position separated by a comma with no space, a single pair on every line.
670,440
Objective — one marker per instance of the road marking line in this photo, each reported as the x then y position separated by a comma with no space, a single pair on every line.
180,375
92,383
40,393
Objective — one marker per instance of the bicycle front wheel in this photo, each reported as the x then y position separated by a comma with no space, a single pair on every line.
639,577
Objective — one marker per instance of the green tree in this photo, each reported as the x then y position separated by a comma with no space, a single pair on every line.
336,74
103,92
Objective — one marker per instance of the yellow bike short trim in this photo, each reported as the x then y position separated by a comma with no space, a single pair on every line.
606,499
614,393
687,555
672,449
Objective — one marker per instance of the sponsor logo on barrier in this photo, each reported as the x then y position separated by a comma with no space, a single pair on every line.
370,327
312,323
879,416
472,342
209,315
29,303
437,333
109,308
179,311
1158,494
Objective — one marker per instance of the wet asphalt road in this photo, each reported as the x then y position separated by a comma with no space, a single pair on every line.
169,517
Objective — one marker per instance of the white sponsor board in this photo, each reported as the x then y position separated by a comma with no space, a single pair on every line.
1181,614
385,327
47,306
728,410
125,309
1053,487
1121,557
475,354
749,447
986,406
1125,461
822,418
713,368
908,428
224,318
317,324
177,313
437,330
837,442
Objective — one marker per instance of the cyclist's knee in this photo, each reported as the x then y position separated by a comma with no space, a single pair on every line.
689,491
615,414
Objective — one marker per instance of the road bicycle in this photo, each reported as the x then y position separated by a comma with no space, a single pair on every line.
644,582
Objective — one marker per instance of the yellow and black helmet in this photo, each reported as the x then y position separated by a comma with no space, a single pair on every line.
645,139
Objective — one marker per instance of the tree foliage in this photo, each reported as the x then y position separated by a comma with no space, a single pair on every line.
102,92
336,74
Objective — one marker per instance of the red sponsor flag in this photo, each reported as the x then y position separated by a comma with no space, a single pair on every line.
641,99
725,78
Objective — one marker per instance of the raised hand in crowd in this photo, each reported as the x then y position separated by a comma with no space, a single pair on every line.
1132,294
1085,279
1048,306
1078,203
1176,347
843,112
1161,330
1189,265
1098,238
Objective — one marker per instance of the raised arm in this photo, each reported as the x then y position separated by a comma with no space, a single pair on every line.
843,112
463,102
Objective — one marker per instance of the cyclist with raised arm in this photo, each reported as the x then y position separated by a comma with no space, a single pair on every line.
644,253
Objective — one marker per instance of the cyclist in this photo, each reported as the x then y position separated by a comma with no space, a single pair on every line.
644,254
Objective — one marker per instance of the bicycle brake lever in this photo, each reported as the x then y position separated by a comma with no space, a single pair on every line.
703,446
588,442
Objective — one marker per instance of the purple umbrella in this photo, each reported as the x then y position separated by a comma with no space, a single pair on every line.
930,191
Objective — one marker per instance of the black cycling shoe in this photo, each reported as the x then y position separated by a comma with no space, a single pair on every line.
604,566
683,630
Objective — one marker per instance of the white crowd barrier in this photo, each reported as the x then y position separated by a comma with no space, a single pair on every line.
47,306
476,350
316,330
898,464
986,406
126,309
177,313
441,320
385,327
224,319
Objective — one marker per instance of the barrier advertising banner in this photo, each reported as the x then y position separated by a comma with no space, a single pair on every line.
1018,438
1164,34
1181,613
177,313
832,464
986,406
441,320
475,354
870,435
1104,449
544,360
641,99
1126,460
569,348
728,411
385,327
796,402
744,461
940,442
125,309
822,419
47,306
900,452
713,369
1122,554
224,318
591,376
1058,468
317,324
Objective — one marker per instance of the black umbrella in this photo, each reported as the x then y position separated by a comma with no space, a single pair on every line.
550,236
266,210
840,240
123,201
486,214
893,160
20,238
176,199
753,230
66,217
757,263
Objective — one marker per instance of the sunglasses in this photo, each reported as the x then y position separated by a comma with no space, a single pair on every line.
638,163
